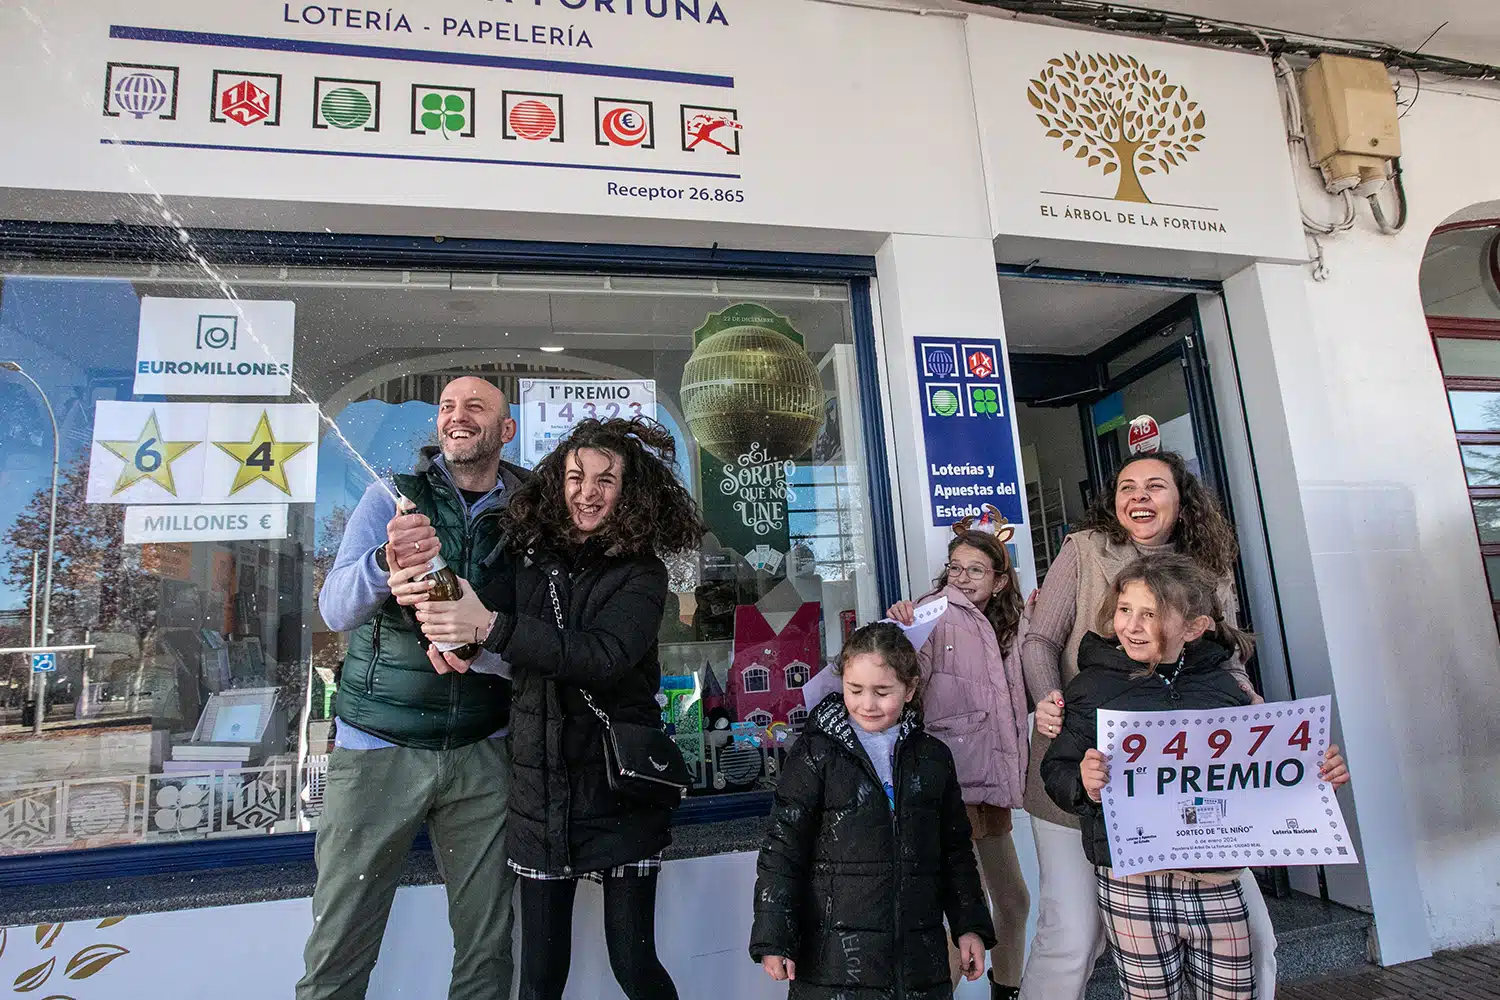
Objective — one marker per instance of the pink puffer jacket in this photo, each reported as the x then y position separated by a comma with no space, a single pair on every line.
974,700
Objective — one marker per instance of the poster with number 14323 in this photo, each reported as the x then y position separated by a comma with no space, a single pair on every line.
550,408
1226,788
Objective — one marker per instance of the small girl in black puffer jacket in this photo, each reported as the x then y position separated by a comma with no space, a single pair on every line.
869,845
1174,933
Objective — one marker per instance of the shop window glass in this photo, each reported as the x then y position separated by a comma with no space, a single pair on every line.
1475,411
199,510
1467,357
1487,516
1481,464
1492,568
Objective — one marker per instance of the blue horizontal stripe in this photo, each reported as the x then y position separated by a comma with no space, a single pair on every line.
364,155
413,55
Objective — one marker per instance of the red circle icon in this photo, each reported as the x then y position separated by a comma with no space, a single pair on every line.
533,120
624,127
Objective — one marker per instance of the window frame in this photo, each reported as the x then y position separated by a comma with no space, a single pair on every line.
1465,328
803,672
760,673
121,244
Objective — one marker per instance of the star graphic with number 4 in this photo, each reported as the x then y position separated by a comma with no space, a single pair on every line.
262,457
147,457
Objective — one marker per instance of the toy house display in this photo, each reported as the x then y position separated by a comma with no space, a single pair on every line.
770,666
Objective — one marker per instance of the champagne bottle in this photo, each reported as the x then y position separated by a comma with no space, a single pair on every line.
445,587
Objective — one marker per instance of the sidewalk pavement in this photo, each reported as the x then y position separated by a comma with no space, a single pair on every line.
1471,974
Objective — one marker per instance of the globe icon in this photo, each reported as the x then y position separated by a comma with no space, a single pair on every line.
346,108
940,363
141,94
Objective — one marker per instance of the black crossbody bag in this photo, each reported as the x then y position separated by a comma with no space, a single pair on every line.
641,762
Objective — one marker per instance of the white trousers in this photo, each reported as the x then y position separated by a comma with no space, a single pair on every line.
1070,934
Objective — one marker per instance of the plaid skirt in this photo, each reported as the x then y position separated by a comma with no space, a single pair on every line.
1174,935
646,866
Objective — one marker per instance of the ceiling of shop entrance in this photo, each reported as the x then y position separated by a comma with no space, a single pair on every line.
1065,317
1470,28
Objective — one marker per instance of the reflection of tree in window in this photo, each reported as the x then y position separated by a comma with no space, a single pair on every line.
98,584
1482,464
797,674
757,679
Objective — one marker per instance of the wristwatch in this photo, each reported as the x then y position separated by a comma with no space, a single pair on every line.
380,560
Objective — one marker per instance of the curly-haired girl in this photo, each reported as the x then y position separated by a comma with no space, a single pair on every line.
576,607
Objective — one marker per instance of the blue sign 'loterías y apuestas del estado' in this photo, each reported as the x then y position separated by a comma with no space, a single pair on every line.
971,457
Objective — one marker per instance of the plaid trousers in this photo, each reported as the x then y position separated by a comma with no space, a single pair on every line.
1176,938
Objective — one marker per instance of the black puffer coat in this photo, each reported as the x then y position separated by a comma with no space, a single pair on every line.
853,892
1107,678
563,817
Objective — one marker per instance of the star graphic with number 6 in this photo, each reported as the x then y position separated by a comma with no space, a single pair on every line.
262,457
147,457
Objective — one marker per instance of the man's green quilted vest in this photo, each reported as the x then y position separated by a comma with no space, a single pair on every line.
387,686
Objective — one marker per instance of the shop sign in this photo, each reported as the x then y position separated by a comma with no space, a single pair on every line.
713,111
550,408
196,453
204,523
1117,140
1224,788
745,502
966,423
214,347
1145,436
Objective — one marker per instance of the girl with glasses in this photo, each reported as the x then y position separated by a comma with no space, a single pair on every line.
974,700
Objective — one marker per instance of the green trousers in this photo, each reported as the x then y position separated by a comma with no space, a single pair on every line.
374,803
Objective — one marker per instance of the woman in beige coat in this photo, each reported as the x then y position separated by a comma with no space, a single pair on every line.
1157,505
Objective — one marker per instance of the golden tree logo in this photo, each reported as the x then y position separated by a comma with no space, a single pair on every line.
1119,113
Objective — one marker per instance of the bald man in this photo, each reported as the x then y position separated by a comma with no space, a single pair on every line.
413,746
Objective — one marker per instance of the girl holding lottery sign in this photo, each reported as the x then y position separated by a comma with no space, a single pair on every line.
1161,646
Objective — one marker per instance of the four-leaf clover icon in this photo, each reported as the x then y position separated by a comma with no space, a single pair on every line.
444,112
986,402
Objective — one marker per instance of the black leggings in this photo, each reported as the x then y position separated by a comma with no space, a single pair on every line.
629,932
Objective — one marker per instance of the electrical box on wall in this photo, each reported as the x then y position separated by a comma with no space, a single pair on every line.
1350,115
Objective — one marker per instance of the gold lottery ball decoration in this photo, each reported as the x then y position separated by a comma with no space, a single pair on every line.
750,383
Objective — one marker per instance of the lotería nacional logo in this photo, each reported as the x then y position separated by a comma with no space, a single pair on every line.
1117,114
533,117
445,111
711,130
348,105
140,91
246,98
624,123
